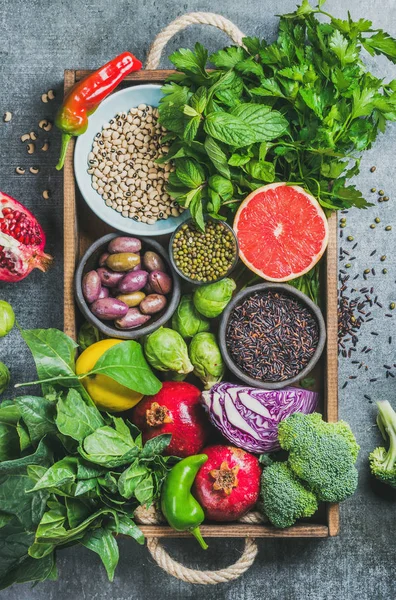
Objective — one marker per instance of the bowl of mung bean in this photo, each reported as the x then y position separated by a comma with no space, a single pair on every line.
116,169
206,256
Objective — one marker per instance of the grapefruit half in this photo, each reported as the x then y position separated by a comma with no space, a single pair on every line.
282,231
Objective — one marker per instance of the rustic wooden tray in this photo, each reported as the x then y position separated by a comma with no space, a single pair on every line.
82,227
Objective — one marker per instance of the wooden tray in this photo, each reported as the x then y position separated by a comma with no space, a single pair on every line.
82,227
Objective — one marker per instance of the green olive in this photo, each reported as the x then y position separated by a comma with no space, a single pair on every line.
123,261
132,299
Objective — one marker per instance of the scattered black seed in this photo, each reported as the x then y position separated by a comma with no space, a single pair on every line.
373,332
345,384
373,271
387,367
390,339
388,315
271,336
373,252
352,376
355,362
373,379
367,397
391,374
379,304
354,246
368,320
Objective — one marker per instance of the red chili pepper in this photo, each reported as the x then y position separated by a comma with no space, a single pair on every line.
85,97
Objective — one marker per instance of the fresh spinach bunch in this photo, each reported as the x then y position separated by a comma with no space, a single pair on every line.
70,474
300,110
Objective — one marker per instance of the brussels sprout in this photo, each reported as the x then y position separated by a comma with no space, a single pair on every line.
87,335
211,299
207,360
166,350
187,321
4,377
7,318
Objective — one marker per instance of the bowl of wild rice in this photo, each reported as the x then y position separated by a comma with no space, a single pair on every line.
271,335
116,169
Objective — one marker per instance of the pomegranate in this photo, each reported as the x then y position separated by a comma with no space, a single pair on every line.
22,241
228,484
176,409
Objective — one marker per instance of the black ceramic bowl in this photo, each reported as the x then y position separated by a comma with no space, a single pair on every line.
186,277
290,291
90,261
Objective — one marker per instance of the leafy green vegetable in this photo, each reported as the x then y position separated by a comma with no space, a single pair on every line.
308,96
186,320
87,335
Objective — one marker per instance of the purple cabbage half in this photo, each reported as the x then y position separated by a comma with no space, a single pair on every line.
249,417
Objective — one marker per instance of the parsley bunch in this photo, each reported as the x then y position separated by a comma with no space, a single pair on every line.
300,110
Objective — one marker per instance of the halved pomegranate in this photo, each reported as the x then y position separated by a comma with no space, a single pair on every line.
22,241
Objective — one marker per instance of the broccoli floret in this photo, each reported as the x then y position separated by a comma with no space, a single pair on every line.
382,461
284,497
322,454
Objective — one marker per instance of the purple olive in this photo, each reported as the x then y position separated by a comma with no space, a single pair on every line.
132,319
133,282
148,289
102,259
152,304
153,261
160,282
109,309
108,277
124,244
104,293
91,286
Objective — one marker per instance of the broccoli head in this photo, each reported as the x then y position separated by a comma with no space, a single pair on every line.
284,497
382,461
322,454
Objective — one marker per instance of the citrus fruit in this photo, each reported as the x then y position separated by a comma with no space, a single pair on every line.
105,392
282,231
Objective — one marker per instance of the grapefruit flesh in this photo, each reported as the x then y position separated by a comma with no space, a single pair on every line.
282,231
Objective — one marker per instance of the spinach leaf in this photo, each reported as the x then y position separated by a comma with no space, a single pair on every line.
38,415
103,542
75,418
109,448
144,490
62,472
125,363
9,442
130,478
127,527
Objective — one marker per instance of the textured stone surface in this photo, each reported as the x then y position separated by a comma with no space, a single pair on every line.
38,40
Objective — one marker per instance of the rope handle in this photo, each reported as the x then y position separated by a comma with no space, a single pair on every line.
194,18
154,516
159,554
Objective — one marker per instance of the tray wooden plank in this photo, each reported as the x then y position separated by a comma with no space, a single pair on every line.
77,240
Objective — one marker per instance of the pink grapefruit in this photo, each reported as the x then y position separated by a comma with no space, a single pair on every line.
282,231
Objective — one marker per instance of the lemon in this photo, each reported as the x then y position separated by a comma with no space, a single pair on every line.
105,392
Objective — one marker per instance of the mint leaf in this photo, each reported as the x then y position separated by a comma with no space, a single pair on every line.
263,170
217,156
267,124
222,186
229,129
196,210
199,100
238,160
189,172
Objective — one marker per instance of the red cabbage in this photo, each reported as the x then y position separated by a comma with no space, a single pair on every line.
249,417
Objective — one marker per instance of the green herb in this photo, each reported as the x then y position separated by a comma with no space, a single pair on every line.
300,110
68,473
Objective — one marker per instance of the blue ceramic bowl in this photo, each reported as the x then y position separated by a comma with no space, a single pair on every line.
121,101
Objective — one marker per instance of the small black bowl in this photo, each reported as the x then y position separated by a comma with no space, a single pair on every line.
290,291
90,261
195,281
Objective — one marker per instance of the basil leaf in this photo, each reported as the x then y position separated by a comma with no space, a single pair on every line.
189,172
125,363
263,170
75,418
217,156
103,542
229,129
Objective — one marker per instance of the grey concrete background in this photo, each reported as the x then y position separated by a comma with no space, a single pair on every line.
38,40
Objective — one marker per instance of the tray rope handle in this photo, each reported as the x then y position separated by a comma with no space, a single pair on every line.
159,554
176,569
194,18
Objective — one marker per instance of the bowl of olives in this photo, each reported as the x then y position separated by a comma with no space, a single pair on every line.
126,286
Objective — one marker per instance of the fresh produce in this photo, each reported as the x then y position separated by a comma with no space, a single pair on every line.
282,231
186,320
211,299
206,358
7,318
322,454
107,393
70,474
272,336
178,505
132,143
85,97
284,496
301,110
249,417
22,241
121,275
4,377
204,255
174,410
228,484
382,461
87,335
166,350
